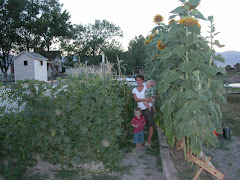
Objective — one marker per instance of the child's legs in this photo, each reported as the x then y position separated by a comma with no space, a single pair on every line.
147,105
141,138
138,138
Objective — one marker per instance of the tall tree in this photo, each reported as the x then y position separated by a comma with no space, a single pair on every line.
93,39
45,23
10,23
136,52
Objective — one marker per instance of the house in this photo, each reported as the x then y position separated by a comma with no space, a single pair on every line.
137,70
30,65
237,67
229,68
54,66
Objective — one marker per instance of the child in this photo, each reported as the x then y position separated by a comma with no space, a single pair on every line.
138,122
150,92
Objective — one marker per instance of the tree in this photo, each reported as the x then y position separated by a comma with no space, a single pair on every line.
93,39
10,20
136,52
44,24
30,25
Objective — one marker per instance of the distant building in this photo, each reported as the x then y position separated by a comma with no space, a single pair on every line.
54,66
30,65
137,70
229,68
237,67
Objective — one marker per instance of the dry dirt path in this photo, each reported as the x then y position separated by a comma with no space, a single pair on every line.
142,164
226,158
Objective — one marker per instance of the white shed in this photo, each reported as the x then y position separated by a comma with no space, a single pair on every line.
30,65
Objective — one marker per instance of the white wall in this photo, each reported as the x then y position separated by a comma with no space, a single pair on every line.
40,70
22,71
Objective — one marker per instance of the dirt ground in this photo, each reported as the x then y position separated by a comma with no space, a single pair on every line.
225,158
135,165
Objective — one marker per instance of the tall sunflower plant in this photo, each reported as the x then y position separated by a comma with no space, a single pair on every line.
182,63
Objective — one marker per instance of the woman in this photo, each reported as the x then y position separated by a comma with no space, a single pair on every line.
139,97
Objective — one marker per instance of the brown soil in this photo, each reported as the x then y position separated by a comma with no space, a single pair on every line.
225,158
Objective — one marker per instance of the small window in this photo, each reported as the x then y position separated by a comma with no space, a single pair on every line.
25,63
63,70
41,63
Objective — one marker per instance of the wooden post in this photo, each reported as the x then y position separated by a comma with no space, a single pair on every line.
103,64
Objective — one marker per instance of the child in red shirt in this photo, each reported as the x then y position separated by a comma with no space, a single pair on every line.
138,122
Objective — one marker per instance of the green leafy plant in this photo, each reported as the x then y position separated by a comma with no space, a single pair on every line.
181,62
78,121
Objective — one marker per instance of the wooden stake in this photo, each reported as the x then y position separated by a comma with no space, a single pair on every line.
200,171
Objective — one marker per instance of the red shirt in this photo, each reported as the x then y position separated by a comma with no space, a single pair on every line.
137,121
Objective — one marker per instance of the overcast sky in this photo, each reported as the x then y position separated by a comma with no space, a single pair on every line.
135,17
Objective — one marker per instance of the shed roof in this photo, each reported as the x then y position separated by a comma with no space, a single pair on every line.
33,55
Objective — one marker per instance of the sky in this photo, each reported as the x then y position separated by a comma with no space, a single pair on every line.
135,17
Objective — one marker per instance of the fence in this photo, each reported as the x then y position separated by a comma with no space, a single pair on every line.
9,104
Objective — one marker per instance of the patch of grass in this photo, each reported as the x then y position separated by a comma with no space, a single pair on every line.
35,177
223,146
66,174
148,174
230,164
186,174
125,170
232,123
102,177
238,171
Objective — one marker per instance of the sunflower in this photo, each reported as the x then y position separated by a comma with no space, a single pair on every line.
160,45
158,19
189,6
189,21
147,41
151,36
171,21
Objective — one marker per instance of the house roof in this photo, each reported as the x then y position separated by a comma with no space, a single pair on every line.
33,55
51,55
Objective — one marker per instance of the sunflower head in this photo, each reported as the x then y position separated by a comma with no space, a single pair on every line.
151,36
147,41
189,21
188,6
171,21
160,45
158,19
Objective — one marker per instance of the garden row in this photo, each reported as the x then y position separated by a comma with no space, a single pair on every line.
80,120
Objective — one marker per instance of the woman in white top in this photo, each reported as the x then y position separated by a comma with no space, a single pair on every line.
139,97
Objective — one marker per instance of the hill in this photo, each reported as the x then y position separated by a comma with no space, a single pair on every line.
231,58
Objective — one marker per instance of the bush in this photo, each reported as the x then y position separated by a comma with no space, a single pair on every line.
78,121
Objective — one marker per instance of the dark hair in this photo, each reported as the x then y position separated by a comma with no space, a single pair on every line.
139,76
137,109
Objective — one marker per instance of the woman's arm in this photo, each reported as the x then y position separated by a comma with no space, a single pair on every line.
141,100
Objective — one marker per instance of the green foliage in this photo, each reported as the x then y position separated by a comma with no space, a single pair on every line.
92,39
30,25
184,71
136,52
78,121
